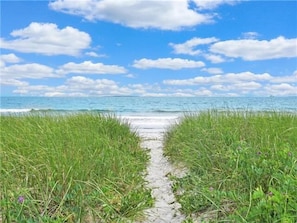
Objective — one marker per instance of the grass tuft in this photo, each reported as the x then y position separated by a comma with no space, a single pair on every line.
71,168
242,166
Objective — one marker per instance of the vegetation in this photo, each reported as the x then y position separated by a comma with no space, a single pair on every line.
71,168
242,166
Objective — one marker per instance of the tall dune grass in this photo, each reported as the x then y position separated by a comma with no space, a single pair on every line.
242,166
73,168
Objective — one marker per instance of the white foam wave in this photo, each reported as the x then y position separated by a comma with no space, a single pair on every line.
14,110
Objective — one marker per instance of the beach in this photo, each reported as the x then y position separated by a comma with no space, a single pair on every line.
152,129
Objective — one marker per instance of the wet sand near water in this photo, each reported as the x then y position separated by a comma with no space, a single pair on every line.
151,129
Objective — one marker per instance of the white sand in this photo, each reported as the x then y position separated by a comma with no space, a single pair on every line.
151,129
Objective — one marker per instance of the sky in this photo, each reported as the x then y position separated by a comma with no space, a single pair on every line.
90,48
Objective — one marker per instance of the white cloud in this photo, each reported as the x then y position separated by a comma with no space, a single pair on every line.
80,82
9,58
93,54
247,86
237,88
2,63
245,83
249,49
211,4
220,87
213,70
246,76
87,67
250,35
229,84
214,58
34,90
48,39
188,47
285,79
76,86
90,86
203,92
39,71
219,79
130,76
282,89
167,63
65,94
13,82
165,15
31,71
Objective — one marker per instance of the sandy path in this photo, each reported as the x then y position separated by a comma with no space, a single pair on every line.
152,129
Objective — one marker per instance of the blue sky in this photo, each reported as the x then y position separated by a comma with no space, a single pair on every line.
148,48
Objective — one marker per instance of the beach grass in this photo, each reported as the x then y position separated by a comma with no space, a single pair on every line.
71,168
242,166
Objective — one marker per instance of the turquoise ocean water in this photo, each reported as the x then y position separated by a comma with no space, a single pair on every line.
145,105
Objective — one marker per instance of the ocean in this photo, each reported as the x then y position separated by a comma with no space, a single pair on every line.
150,106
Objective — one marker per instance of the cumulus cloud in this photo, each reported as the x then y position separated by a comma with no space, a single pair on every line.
188,47
282,89
167,63
93,54
239,84
211,4
87,67
31,71
247,83
77,86
9,58
34,90
218,79
242,87
214,58
250,49
165,15
47,39
213,70
286,79
11,75
13,82
2,63
83,83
